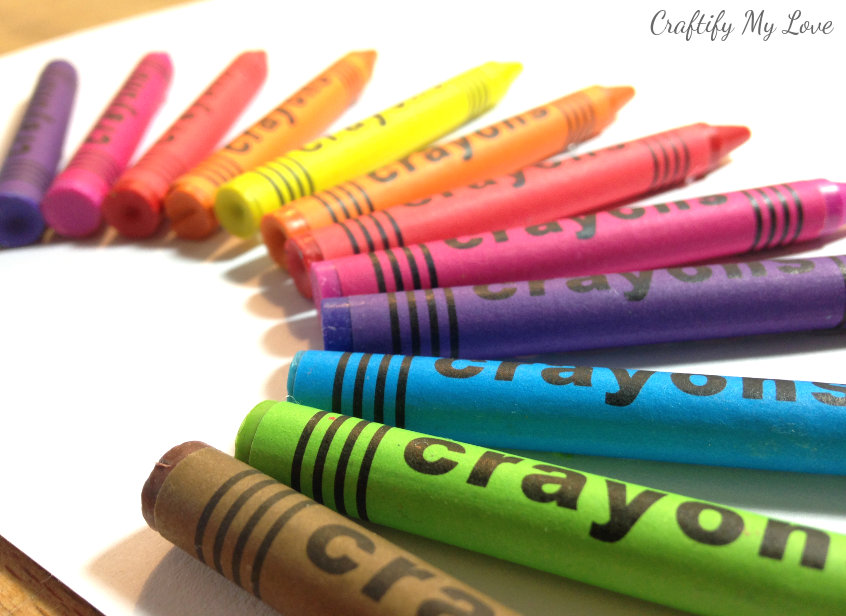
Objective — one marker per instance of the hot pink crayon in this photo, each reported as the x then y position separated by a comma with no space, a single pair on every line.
134,205
72,204
545,191
623,239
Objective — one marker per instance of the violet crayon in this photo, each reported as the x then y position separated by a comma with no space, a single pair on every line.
34,155
623,239
599,310
747,422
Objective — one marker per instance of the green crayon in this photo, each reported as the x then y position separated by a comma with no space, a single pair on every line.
667,548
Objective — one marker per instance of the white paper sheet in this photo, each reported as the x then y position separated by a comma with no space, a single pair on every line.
113,351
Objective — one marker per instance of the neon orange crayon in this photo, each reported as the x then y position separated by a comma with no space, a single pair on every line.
134,204
190,203
497,149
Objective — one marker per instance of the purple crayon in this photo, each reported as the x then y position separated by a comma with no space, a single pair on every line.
601,310
623,239
36,149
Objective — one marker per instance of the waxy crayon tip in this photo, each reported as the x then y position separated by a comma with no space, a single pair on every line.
73,210
300,252
724,139
133,208
620,95
292,374
274,236
325,281
238,213
20,222
189,209
247,431
835,202
501,75
253,62
366,57
336,323
164,61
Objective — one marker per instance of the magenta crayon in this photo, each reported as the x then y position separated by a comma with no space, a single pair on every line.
72,204
35,152
623,239
134,204
537,193
692,302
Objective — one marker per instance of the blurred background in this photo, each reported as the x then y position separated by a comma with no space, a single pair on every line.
24,22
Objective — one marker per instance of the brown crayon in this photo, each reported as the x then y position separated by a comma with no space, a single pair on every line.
294,554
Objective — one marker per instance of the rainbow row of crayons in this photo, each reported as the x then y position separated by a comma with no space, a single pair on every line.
411,252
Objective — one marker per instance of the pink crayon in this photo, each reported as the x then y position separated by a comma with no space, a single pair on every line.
72,204
624,239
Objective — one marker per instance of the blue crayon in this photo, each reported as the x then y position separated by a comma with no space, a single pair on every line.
34,155
676,417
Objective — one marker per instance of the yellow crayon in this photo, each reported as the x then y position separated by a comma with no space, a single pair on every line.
379,139
299,119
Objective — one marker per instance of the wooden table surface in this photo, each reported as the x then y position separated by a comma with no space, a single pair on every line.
26,589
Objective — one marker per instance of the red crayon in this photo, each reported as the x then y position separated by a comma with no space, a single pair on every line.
537,193
134,205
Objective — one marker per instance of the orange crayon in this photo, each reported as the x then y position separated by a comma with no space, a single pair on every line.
134,204
190,202
499,148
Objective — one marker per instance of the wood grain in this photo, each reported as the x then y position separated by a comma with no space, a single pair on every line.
27,589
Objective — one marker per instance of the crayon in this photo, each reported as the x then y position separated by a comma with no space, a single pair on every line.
538,193
499,148
747,422
296,555
599,310
32,159
623,239
72,203
190,203
134,204
379,139
663,547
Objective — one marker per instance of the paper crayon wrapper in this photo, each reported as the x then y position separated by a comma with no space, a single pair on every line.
710,419
294,554
601,310
667,548
622,239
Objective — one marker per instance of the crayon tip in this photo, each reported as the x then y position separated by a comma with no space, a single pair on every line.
153,485
20,222
501,75
300,252
237,212
835,202
367,57
274,235
252,62
162,59
336,323
247,430
325,281
726,138
133,208
620,95
189,210
73,210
